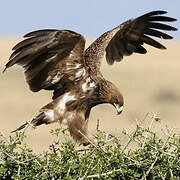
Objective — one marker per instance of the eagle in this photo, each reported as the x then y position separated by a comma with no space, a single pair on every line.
57,60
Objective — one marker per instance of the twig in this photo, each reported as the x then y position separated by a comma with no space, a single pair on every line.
171,173
103,174
7,154
91,141
157,156
13,158
19,170
130,159
163,152
150,168
97,126
63,131
29,160
134,133
85,175
68,171
5,138
150,126
87,139
106,137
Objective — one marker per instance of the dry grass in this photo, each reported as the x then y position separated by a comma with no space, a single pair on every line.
149,83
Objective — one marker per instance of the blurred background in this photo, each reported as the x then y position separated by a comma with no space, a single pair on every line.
149,83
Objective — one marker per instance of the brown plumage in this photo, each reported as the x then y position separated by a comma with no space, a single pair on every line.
57,60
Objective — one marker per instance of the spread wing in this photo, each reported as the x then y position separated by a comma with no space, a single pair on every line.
51,58
128,38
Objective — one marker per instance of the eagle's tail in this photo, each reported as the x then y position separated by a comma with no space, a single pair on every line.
38,120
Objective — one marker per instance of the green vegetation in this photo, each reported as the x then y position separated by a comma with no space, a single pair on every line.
143,156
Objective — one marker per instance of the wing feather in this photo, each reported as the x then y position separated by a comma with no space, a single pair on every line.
161,26
46,55
161,18
153,13
152,42
155,33
38,33
134,33
128,38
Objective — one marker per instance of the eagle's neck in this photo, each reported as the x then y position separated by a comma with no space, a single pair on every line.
101,94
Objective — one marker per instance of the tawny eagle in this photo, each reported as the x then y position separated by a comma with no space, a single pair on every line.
57,60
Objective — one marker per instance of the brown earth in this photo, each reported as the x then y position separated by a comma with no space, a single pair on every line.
149,83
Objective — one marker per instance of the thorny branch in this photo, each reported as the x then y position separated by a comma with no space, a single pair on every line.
102,148
157,156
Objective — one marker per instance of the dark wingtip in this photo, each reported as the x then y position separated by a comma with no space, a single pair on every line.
41,32
159,12
154,13
13,131
175,29
28,34
21,127
162,12
8,64
173,19
163,48
4,70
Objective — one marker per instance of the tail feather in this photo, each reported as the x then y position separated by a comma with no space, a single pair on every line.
38,120
21,127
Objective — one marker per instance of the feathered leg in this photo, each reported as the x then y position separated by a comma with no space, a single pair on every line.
78,129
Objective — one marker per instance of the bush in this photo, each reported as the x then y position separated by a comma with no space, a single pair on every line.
143,156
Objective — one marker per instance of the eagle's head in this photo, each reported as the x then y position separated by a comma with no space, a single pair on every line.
109,93
115,98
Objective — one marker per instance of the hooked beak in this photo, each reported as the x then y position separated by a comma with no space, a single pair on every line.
119,108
